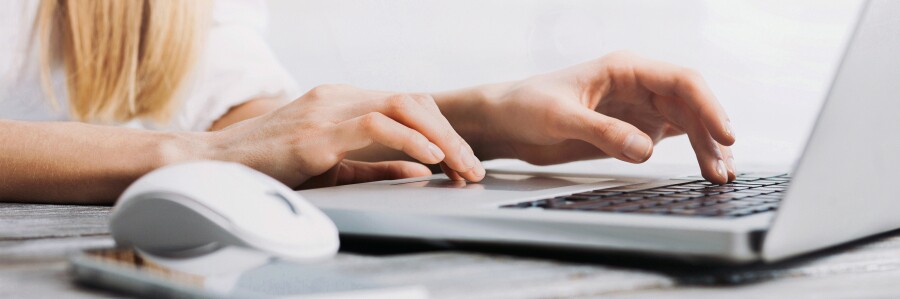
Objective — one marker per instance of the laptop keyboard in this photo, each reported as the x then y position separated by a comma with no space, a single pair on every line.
749,194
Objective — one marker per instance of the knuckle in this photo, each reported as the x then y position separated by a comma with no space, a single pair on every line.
399,102
620,55
691,75
612,132
372,122
605,128
688,82
324,162
313,125
304,158
317,91
422,98
413,139
449,136
324,90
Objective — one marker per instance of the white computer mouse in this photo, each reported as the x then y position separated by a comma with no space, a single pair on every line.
198,207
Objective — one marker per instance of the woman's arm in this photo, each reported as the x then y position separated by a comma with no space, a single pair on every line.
303,143
247,110
67,162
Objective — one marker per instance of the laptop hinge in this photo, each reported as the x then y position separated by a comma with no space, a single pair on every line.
757,238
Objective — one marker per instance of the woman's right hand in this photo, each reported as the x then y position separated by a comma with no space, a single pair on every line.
312,134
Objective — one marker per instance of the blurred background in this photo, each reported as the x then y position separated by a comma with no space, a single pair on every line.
770,62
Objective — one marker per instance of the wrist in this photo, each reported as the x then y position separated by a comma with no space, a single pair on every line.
462,110
471,112
178,147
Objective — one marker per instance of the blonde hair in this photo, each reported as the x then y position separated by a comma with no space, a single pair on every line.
123,59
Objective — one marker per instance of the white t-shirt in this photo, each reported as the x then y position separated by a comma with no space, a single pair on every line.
236,66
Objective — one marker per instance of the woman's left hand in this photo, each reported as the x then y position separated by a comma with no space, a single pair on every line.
617,106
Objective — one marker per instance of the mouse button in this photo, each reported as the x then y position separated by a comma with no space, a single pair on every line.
240,199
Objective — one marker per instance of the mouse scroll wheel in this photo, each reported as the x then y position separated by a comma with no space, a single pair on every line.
286,201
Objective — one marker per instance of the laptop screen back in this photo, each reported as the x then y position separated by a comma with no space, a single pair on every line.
844,185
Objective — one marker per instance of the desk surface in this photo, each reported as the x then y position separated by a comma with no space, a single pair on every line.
34,240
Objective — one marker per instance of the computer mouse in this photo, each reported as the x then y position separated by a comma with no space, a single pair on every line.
194,208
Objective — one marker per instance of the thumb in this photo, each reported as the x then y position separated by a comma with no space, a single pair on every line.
354,172
614,137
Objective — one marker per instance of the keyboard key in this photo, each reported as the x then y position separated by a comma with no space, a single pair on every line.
733,205
685,187
654,192
723,189
684,205
758,183
708,191
776,195
779,179
689,194
765,207
626,197
657,201
726,197
756,200
587,205
750,192
740,185
581,197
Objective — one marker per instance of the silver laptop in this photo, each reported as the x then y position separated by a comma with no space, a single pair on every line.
842,188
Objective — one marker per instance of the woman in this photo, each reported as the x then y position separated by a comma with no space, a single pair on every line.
119,88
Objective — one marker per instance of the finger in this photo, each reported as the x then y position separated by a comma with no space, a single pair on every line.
672,131
729,162
326,179
614,137
452,174
711,155
354,172
688,85
708,152
414,112
362,131
477,172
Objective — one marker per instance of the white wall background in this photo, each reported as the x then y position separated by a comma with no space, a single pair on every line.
768,61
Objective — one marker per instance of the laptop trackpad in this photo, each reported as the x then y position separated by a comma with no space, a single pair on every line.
508,182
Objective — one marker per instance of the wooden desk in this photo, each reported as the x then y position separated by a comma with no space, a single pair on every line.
35,238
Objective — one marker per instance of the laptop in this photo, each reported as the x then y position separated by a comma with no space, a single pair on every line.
841,189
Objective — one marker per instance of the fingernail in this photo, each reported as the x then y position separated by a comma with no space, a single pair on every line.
729,129
479,170
730,163
468,158
720,168
436,152
637,147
